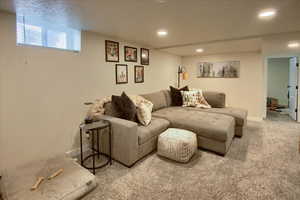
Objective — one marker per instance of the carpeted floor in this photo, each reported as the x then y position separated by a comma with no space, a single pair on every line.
278,116
263,164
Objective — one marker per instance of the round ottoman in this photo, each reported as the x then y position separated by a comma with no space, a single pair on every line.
177,144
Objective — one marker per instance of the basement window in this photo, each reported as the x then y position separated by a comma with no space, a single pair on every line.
35,32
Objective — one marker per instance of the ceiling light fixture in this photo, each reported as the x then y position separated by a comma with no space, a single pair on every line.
162,33
266,14
293,45
199,50
161,1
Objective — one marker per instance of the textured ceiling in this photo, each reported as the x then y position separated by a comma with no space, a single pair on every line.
187,21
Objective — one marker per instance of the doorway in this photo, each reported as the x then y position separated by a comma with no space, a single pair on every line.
282,89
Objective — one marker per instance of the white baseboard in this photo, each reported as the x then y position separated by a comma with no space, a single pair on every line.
256,119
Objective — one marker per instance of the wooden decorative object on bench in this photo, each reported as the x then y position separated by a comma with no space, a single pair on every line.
55,174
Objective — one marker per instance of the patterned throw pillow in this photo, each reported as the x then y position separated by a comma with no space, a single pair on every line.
202,103
190,98
144,113
194,98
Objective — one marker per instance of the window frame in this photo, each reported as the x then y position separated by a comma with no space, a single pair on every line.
44,35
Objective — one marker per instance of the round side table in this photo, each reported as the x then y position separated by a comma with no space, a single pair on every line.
94,129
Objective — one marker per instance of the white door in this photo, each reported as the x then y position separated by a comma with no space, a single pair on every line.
293,88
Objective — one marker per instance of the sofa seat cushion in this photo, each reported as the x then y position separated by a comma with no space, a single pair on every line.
240,115
210,125
156,127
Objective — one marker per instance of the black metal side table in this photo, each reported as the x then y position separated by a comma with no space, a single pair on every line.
95,129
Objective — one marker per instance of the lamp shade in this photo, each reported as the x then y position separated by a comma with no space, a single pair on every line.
185,76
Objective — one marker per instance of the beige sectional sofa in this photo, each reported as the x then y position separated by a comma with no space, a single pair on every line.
215,127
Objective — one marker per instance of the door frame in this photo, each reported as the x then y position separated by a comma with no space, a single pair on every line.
265,72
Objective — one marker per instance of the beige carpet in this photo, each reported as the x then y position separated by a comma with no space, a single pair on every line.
264,164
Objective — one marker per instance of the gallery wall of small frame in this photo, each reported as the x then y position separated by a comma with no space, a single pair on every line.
112,54
111,51
130,54
144,56
121,73
138,74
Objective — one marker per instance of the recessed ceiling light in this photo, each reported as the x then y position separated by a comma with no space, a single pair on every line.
199,50
161,1
267,14
293,45
162,33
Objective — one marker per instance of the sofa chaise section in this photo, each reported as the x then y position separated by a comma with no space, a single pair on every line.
216,130
240,116
218,102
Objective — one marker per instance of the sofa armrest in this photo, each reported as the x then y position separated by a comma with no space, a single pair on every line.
124,140
215,99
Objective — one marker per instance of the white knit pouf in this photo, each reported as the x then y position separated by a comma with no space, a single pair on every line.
177,144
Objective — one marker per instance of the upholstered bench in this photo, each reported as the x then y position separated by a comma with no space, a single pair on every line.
74,182
177,144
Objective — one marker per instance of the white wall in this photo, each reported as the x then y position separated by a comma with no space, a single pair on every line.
43,90
244,92
278,79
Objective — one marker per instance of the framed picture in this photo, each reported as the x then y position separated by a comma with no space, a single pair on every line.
121,74
227,69
144,56
111,51
130,54
138,74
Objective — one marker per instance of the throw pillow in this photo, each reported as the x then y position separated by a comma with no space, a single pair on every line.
176,95
190,98
111,110
202,103
125,107
144,111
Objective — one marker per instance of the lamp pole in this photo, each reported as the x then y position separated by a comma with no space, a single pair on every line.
179,73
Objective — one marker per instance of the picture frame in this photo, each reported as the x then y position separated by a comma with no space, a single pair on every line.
121,73
138,74
130,54
111,51
225,69
145,54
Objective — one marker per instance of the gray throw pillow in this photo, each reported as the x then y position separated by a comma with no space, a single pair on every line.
125,107
111,110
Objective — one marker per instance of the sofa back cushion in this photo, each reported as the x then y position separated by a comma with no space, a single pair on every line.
157,98
215,99
167,94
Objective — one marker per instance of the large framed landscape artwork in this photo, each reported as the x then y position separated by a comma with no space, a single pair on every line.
228,69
